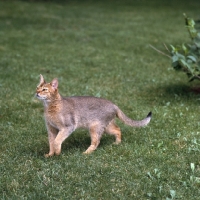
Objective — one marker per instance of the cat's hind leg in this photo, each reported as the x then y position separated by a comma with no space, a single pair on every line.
96,131
113,129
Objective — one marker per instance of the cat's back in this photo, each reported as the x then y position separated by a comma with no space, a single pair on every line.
85,110
85,101
88,109
90,105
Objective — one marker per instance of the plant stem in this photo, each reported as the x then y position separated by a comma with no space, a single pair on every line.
160,51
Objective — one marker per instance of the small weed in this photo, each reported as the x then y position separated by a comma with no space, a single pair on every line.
193,179
172,195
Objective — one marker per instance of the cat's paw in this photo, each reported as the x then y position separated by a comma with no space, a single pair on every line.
116,142
48,155
87,152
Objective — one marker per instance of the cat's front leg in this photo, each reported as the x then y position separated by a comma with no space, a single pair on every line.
62,135
52,133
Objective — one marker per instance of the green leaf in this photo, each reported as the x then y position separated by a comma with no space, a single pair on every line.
174,50
180,56
174,58
190,22
183,63
172,193
192,166
197,180
185,49
192,58
197,43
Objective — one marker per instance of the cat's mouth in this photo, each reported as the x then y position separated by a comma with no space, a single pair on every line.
40,97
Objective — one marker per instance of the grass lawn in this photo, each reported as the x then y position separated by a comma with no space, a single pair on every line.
98,48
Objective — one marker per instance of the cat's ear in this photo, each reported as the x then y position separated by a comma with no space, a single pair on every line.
42,81
54,84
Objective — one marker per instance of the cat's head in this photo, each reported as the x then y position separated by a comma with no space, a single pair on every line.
47,91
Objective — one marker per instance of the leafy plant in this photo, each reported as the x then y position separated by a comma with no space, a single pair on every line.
193,178
186,58
155,177
157,181
172,195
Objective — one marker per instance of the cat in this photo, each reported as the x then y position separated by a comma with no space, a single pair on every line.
63,115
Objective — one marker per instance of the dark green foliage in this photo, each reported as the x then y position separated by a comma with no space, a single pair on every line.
186,58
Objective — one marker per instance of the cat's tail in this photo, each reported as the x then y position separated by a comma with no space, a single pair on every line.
131,122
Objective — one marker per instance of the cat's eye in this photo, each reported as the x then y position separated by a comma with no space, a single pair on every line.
44,89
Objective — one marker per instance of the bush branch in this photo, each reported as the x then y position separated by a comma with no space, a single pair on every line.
160,51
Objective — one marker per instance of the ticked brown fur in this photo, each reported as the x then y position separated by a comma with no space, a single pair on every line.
65,114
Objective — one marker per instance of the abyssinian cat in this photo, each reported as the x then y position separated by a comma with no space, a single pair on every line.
65,114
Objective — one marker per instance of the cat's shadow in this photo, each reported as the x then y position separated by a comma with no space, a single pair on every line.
79,141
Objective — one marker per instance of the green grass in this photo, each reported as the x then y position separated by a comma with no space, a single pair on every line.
98,48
